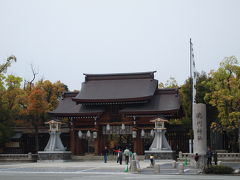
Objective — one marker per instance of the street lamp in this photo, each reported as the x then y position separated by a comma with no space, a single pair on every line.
108,127
123,126
142,132
88,134
134,134
94,134
80,134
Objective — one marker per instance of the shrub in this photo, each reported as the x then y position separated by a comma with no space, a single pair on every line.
219,169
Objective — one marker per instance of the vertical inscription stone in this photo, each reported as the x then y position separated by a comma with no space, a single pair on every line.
200,129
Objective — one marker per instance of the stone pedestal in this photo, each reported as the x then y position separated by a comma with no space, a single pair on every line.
161,154
133,166
181,168
54,156
157,168
54,151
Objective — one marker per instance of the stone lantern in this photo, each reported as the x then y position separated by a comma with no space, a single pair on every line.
54,151
160,147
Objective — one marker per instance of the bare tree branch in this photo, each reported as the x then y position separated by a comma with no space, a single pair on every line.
34,72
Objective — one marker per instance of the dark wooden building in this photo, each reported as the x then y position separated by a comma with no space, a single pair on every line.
115,110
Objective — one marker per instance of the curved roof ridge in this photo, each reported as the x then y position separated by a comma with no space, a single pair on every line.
119,74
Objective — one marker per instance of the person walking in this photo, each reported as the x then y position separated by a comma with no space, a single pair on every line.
120,155
196,158
105,154
151,160
126,154
209,157
117,151
215,157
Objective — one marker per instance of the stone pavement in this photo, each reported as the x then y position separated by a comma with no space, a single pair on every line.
85,167
91,170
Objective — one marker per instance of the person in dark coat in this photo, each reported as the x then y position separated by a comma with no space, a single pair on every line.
120,156
151,160
215,157
196,158
105,154
209,157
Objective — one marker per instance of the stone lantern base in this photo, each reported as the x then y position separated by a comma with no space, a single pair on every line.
160,155
54,156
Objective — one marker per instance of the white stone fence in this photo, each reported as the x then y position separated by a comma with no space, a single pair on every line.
220,157
18,157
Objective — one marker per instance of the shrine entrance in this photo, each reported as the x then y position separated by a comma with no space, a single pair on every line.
117,137
116,141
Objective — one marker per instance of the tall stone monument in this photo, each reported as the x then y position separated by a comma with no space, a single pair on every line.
160,148
199,129
200,133
54,151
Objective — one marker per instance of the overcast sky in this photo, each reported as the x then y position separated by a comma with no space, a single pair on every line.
65,38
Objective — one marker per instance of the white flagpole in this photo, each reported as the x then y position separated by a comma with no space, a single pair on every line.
193,83
198,115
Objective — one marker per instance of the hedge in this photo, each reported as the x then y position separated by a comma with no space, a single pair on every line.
218,169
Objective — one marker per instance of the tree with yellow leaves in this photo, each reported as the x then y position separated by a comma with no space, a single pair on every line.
225,96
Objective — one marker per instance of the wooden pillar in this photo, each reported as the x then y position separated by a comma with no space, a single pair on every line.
72,138
97,141
102,143
138,144
79,146
97,145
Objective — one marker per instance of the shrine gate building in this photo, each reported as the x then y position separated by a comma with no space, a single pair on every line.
115,110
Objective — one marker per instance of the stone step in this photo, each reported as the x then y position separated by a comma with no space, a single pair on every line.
170,171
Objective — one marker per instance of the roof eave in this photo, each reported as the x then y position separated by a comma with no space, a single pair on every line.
79,101
150,112
76,114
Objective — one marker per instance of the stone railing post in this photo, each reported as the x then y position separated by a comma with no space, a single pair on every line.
181,168
157,168
29,155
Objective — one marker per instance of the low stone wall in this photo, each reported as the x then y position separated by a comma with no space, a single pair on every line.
18,157
229,157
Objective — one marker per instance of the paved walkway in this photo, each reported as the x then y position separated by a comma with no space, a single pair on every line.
94,170
84,167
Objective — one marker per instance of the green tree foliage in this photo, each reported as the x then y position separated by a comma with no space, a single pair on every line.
9,91
186,100
170,83
202,88
9,106
4,66
225,96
